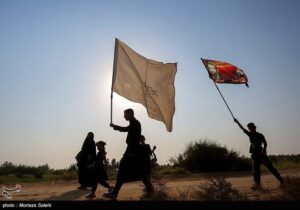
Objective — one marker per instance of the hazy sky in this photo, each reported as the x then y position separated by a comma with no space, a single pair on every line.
56,61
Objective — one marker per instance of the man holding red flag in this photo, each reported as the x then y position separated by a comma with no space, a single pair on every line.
258,154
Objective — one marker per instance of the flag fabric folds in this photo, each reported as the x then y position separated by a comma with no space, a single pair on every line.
145,81
222,72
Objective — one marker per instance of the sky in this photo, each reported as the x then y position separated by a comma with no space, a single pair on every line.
56,62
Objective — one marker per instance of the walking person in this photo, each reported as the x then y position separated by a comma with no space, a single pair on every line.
130,163
146,164
86,157
258,154
99,170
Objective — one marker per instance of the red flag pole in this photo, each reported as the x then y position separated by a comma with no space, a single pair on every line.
217,88
113,79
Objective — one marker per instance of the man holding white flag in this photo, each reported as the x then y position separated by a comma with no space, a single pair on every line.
145,81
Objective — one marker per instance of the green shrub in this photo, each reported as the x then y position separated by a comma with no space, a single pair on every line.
14,179
22,171
208,156
69,175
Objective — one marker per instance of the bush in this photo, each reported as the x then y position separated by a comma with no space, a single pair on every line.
69,175
208,156
290,188
217,189
159,193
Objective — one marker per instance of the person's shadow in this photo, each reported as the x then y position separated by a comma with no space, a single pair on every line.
71,195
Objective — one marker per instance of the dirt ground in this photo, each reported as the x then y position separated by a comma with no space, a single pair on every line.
177,187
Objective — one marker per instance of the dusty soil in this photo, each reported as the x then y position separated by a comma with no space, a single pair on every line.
177,187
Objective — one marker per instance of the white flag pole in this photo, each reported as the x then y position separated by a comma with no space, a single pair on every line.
113,78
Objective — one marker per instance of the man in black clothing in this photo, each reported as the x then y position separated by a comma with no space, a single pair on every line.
130,164
258,154
134,133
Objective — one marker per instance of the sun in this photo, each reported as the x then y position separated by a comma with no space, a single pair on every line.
122,103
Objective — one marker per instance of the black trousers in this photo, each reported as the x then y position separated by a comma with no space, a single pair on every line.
257,160
130,169
146,181
100,181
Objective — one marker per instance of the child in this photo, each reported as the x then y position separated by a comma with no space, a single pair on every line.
99,167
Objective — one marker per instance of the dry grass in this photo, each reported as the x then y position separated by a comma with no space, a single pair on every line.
216,189
159,194
290,189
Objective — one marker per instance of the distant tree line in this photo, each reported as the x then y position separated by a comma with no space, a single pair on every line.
32,173
8,168
198,157
291,158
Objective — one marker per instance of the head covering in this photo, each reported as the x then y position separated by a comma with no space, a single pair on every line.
101,142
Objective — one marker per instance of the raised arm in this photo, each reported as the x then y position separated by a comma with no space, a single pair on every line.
239,124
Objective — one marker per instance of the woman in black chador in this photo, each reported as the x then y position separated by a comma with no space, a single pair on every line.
86,157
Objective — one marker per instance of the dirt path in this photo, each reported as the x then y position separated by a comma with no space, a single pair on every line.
177,188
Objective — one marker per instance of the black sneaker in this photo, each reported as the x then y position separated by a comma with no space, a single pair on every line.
110,196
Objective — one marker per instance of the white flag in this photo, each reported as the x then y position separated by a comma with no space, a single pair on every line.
145,81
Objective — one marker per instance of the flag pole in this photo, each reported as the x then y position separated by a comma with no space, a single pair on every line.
111,105
113,80
217,88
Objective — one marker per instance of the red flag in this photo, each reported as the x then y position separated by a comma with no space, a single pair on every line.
222,72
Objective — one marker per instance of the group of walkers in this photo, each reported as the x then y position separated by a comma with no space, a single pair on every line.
135,165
